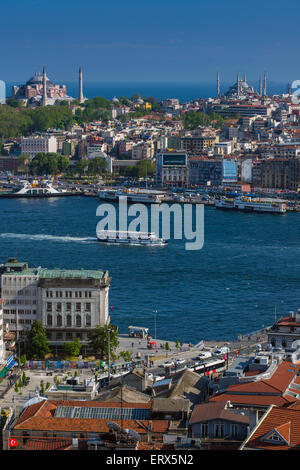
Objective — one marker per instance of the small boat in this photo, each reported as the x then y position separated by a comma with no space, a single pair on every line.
130,238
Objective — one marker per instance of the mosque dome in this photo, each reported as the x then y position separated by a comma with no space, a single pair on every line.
37,79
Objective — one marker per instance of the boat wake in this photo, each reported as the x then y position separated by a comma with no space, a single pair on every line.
44,237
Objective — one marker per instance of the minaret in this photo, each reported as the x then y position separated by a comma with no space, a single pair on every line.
80,92
260,86
44,98
218,84
245,77
265,84
238,84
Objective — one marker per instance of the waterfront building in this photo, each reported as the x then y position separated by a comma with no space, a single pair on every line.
172,169
38,143
69,303
280,173
211,171
285,333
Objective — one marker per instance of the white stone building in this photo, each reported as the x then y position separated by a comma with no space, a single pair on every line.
37,144
69,303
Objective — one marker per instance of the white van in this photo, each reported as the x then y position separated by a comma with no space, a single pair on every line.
222,350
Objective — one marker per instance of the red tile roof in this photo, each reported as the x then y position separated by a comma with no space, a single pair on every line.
285,422
210,411
264,392
40,416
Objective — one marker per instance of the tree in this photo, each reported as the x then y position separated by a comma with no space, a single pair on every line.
24,160
82,165
97,165
145,168
73,348
126,356
167,346
177,344
98,341
38,346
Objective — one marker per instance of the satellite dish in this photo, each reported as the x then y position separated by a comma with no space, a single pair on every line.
112,425
134,435
125,431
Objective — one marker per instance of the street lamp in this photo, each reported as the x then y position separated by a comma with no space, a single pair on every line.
155,313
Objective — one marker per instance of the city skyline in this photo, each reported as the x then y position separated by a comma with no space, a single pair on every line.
133,42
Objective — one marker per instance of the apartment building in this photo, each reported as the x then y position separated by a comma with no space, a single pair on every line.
197,144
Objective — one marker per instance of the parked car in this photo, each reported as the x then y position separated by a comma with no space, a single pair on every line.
168,364
180,360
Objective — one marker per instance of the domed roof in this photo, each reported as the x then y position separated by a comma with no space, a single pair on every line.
37,79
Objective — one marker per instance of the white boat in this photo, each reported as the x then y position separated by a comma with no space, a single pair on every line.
260,205
133,196
252,205
225,203
130,238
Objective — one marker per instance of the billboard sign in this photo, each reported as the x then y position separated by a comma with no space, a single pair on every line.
178,159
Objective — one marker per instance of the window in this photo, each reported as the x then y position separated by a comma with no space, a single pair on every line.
49,307
219,430
49,320
234,430
88,320
68,307
88,307
58,307
59,320
78,320
69,320
204,429
78,307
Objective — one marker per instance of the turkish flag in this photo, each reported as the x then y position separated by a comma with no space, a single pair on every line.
111,308
12,442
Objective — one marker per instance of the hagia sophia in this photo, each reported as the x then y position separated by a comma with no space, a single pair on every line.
40,91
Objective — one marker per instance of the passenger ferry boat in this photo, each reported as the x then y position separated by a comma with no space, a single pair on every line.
133,196
37,188
273,206
130,238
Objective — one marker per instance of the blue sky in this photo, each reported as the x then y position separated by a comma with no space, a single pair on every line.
166,40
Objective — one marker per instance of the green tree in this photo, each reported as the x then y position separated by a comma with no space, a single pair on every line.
82,165
177,344
126,356
38,346
98,341
23,378
145,168
24,160
167,346
97,165
73,348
